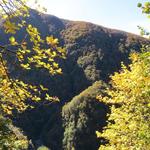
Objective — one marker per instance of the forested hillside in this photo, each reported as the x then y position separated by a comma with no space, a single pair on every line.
93,54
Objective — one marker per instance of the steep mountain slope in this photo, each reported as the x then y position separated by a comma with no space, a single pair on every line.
93,53
80,118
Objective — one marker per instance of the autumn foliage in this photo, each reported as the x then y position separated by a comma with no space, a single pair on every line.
30,52
129,100
129,97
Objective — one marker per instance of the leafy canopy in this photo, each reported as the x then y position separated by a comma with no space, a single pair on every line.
129,97
30,52
129,121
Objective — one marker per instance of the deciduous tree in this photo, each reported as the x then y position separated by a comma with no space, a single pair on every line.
129,97
31,51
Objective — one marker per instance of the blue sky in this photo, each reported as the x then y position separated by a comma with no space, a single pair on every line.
118,14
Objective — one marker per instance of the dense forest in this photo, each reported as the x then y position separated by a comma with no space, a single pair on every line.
58,83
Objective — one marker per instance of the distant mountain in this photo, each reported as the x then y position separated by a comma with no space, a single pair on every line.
93,54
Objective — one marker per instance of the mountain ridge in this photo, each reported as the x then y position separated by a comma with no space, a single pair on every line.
90,22
93,54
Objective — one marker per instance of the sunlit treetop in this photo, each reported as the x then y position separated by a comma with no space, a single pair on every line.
129,98
129,101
